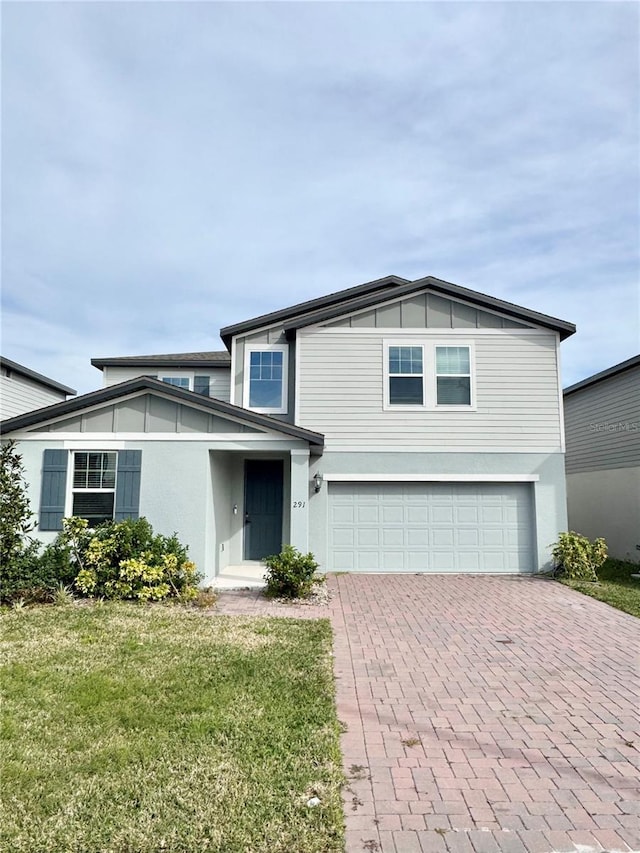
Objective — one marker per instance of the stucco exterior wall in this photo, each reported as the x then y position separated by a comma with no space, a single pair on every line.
549,490
607,503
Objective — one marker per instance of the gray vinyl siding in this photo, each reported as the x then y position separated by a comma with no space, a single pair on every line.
274,335
219,377
517,395
147,414
19,394
602,424
426,311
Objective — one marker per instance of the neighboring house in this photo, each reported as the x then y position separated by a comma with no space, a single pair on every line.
602,425
22,390
400,426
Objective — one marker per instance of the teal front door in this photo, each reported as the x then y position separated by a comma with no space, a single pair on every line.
263,479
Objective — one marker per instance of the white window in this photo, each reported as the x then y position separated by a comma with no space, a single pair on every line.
453,376
265,385
422,374
405,380
93,486
178,381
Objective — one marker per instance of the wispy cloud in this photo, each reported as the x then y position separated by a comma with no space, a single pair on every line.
171,168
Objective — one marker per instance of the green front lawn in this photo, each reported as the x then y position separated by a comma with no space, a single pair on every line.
134,729
615,586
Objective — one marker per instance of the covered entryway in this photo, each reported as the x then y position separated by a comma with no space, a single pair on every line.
431,527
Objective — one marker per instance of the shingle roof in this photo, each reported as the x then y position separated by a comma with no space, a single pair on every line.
218,358
146,383
369,294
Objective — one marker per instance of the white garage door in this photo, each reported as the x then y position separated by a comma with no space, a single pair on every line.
431,527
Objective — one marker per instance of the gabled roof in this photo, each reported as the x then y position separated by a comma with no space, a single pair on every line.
31,374
340,296
634,361
145,383
367,295
217,358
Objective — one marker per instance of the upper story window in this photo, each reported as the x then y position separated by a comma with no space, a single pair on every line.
179,381
453,376
265,386
189,381
406,376
94,486
427,375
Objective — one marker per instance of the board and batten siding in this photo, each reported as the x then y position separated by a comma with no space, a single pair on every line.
219,377
602,424
342,379
19,394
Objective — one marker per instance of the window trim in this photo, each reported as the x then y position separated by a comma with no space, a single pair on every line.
246,384
167,374
429,372
402,407
71,490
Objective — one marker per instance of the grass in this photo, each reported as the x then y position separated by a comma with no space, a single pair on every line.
133,729
615,586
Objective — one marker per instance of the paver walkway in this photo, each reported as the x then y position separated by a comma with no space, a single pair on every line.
483,713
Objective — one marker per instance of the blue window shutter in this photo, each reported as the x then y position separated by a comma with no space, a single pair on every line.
128,484
201,385
54,487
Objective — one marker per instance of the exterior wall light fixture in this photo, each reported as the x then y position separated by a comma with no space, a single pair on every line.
317,482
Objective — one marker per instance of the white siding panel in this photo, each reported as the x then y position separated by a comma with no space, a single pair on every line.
19,394
517,395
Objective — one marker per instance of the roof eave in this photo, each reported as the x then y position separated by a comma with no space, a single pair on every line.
609,373
32,374
564,328
228,332
141,383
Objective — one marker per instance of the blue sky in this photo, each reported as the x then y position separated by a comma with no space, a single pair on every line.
171,168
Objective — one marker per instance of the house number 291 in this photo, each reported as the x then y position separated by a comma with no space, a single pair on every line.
299,504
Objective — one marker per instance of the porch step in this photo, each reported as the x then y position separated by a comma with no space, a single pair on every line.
238,577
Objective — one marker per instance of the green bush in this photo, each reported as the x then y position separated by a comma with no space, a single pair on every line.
32,576
126,560
290,574
16,518
577,558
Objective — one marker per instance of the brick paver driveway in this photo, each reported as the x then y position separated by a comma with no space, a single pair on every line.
483,714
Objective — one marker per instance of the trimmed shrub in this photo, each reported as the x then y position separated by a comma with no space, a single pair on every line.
577,558
126,560
290,574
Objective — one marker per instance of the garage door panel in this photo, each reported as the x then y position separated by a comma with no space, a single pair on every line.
367,514
438,527
468,538
442,515
345,537
367,537
418,537
466,515
392,537
392,514
417,515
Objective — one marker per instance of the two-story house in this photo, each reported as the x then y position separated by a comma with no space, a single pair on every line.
397,426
